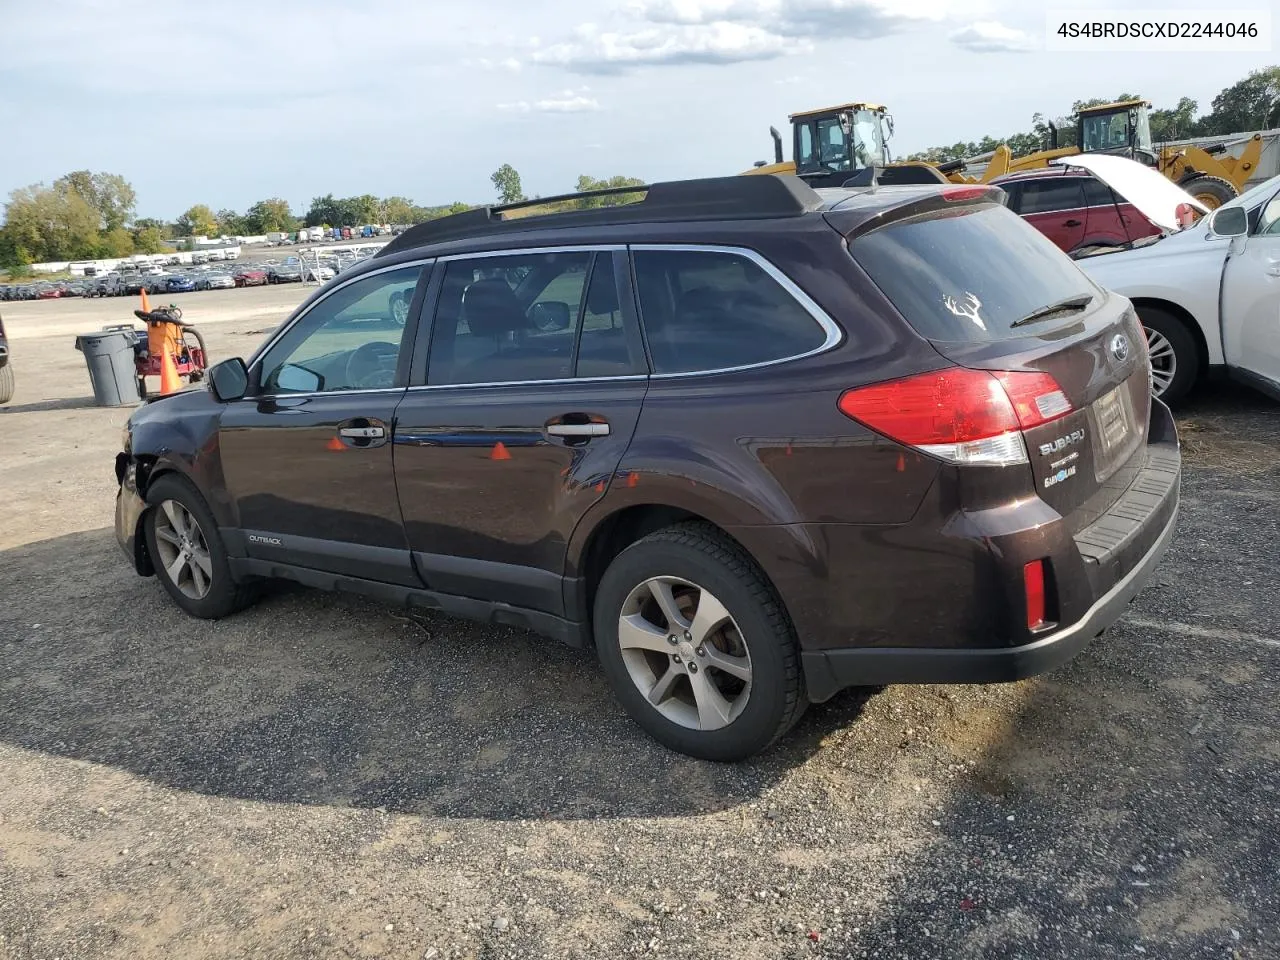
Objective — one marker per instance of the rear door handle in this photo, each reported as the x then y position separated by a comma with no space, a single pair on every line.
362,433
1273,268
578,429
1072,223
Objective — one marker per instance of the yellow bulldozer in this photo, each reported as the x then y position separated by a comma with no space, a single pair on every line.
846,145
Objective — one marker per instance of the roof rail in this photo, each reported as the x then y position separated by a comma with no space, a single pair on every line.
740,197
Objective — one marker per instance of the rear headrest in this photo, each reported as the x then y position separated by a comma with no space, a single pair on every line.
491,309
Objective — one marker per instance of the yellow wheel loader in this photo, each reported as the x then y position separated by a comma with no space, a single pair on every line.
845,145
1211,175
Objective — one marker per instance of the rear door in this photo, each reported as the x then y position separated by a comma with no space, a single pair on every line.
1055,206
1251,300
950,277
518,419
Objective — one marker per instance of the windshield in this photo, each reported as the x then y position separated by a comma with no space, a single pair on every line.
1142,130
970,275
823,145
1105,131
1254,195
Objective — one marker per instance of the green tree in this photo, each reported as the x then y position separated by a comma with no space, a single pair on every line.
148,240
507,182
117,242
199,221
270,216
163,230
1177,123
323,210
586,183
398,210
231,223
1251,104
110,194
51,223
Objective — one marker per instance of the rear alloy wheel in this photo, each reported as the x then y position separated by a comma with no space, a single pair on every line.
1175,361
187,553
697,646
6,383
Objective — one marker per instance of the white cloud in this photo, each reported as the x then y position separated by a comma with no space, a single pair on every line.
592,51
568,101
675,32
989,36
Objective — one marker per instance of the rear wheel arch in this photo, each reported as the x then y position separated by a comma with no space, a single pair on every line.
630,524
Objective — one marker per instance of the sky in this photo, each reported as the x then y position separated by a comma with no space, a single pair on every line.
231,102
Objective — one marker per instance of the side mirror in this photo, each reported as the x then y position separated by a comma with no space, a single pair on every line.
550,315
1229,222
229,379
294,379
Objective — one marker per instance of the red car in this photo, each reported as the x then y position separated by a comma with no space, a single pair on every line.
1073,208
251,278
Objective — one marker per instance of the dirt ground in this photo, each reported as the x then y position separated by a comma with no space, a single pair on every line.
324,777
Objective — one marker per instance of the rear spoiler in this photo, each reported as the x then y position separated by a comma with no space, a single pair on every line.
944,201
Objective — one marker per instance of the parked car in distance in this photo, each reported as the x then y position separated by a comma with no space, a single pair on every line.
321,273
7,383
719,436
250,277
1074,209
285,273
1208,294
133,284
179,284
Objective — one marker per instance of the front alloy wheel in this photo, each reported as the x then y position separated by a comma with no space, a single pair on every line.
183,552
684,653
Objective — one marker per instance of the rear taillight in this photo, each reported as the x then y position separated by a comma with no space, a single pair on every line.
1033,586
961,415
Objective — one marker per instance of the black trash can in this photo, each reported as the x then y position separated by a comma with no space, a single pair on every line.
109,356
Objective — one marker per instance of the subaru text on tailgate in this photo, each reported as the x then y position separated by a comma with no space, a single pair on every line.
749,442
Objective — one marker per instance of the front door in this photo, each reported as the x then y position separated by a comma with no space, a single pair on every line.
531,396
307,456
1251,301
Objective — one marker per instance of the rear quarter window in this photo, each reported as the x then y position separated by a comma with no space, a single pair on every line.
712,310
969,274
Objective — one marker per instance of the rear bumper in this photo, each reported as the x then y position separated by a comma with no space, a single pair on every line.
1098,571
829,671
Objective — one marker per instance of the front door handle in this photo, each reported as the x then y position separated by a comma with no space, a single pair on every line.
1273,268
1071,223
578,429
362,433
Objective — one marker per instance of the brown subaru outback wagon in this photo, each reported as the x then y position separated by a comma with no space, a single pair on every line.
750,442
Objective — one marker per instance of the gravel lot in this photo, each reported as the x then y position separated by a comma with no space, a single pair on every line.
324,777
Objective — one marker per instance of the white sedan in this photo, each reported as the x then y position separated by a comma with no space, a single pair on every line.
1208,294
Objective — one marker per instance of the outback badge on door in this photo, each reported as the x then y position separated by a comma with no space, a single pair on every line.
1120,347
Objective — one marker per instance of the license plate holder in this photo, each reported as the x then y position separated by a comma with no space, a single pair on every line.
1113,425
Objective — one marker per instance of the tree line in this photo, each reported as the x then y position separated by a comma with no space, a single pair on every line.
1249,104
89,216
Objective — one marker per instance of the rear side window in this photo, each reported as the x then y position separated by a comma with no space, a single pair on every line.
710,310
1050,196
970,274
1098,194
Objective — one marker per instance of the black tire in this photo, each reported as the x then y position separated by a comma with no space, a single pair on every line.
142,388
1186,353
702,555
1213,192
6,383
224,596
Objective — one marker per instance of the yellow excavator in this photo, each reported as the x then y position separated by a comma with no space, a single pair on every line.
845,145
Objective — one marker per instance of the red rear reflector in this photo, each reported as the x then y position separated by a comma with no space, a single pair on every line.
1033,582
952,194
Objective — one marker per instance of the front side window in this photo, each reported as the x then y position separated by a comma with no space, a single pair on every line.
350,340
833,145
711,310
806,155
1104,131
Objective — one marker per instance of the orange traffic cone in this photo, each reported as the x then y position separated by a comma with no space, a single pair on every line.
499,452
170,382
146,304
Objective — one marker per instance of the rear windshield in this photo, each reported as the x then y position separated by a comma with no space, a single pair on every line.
971,274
